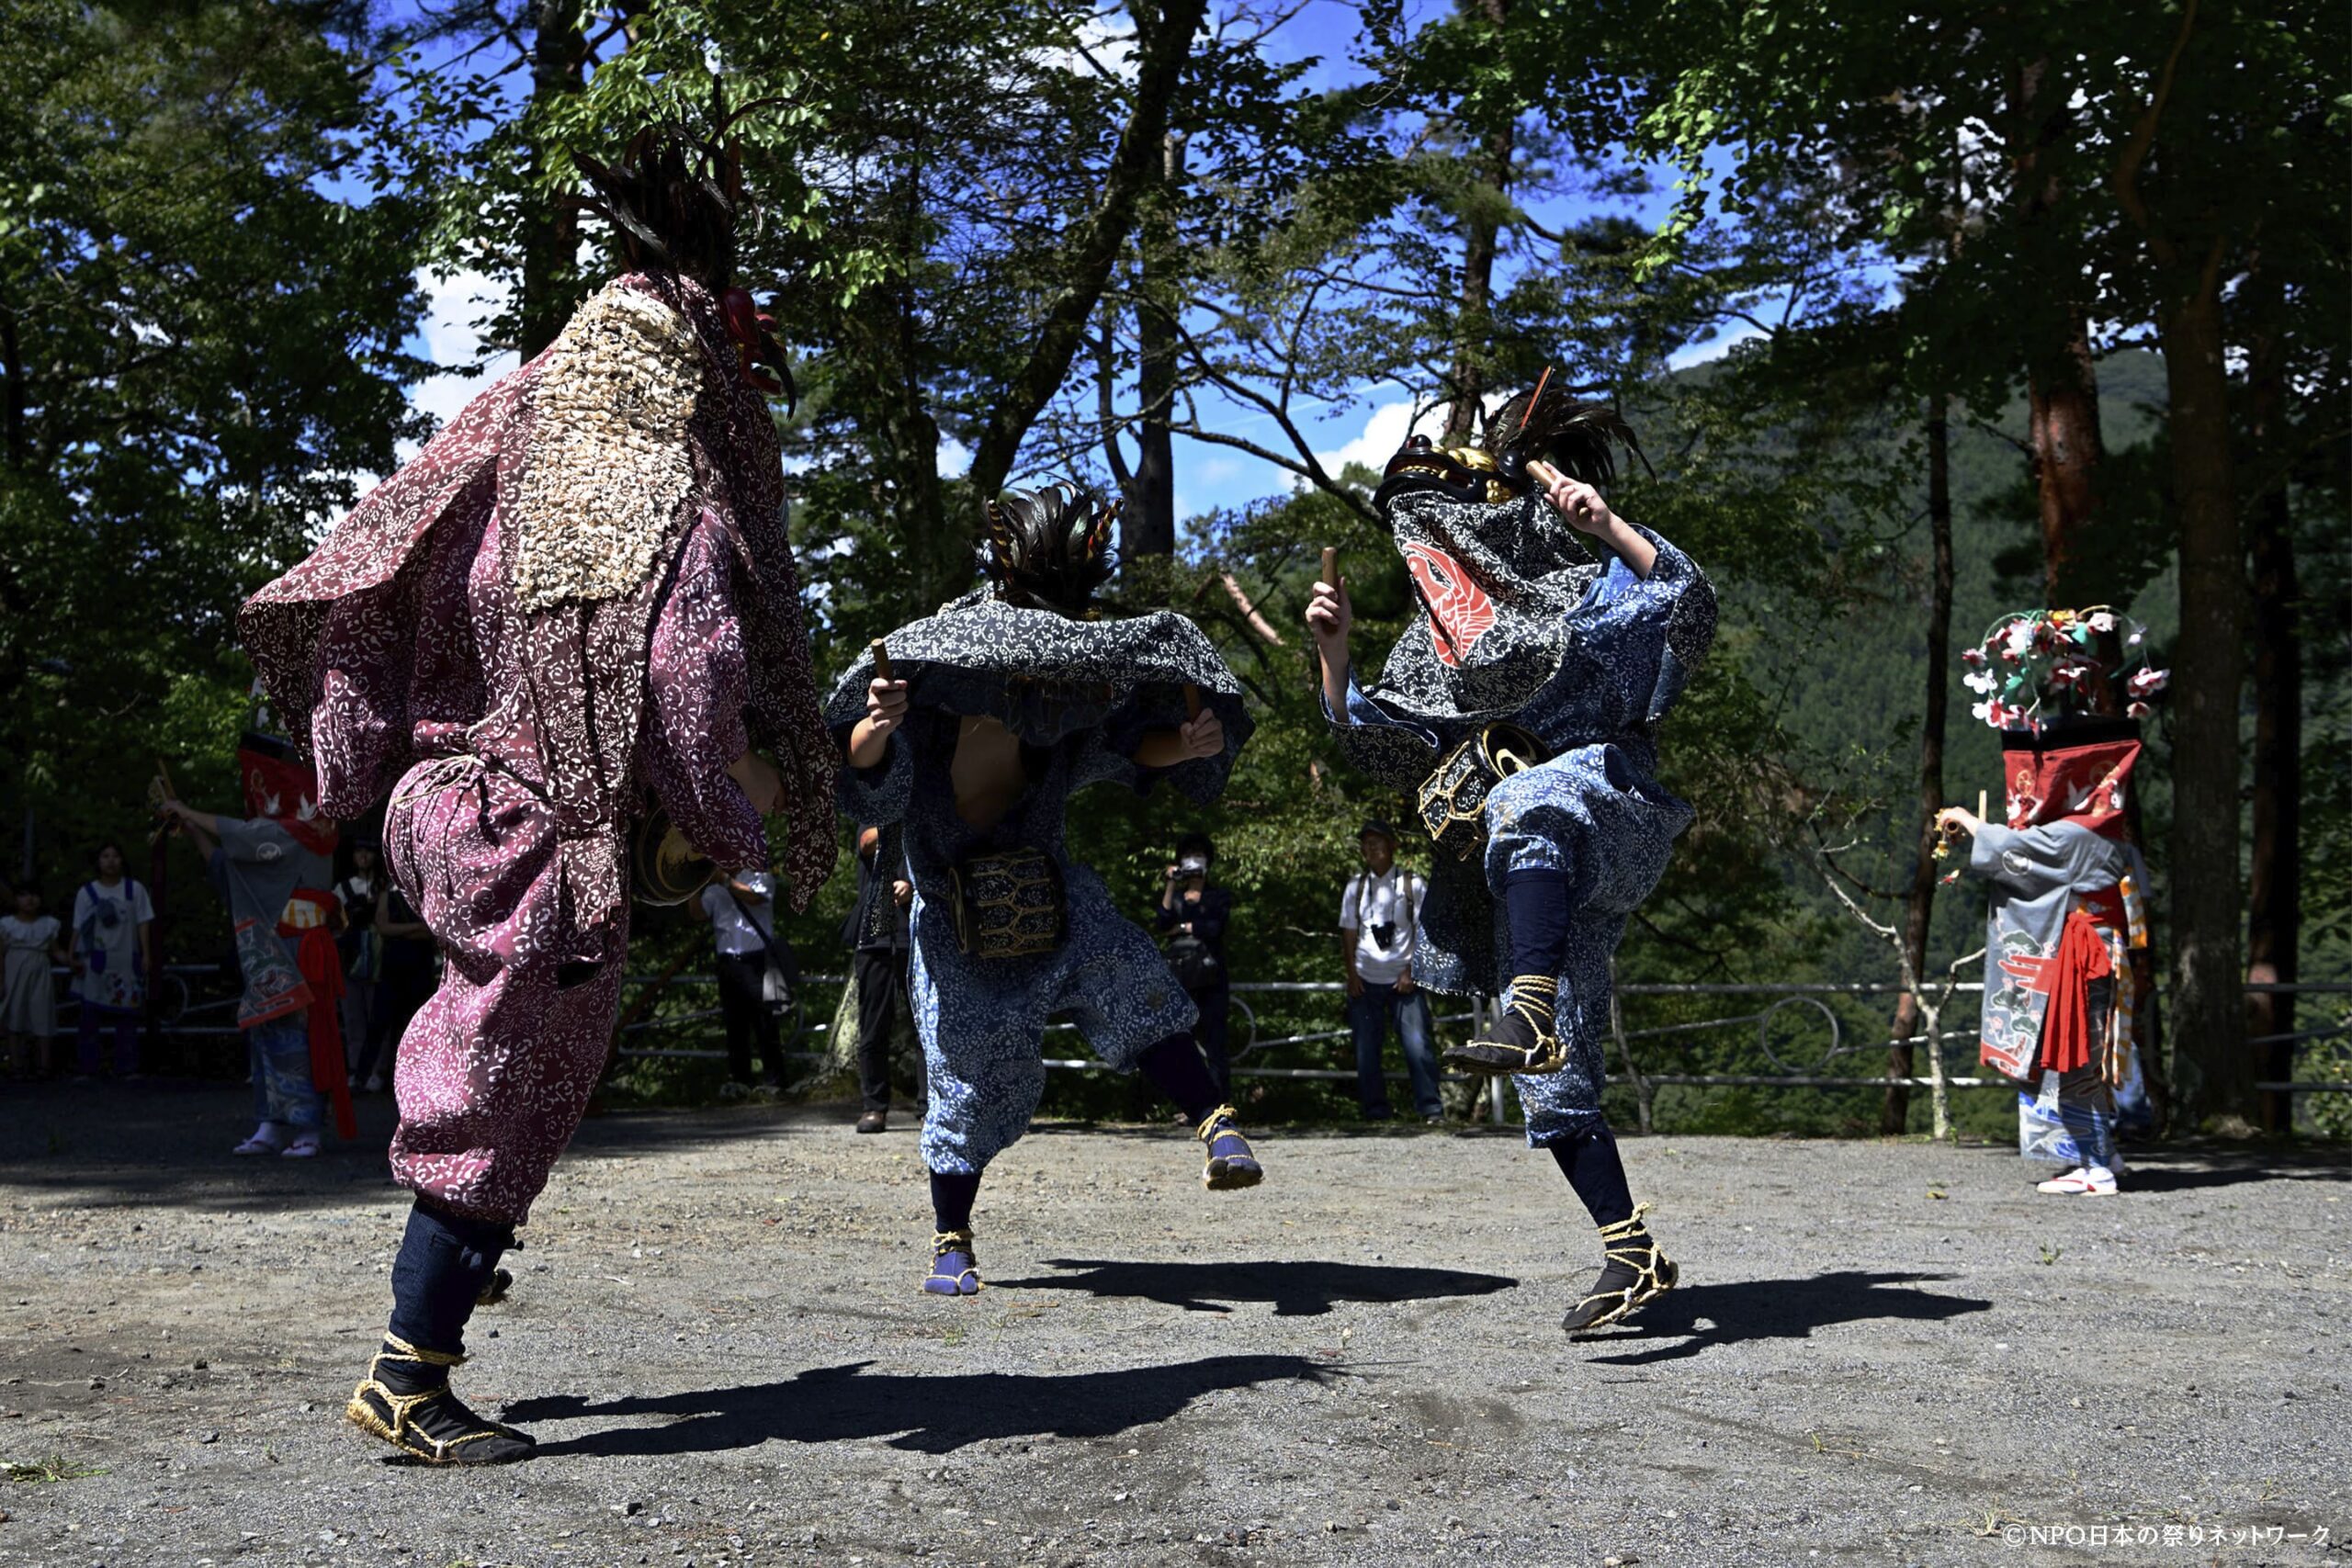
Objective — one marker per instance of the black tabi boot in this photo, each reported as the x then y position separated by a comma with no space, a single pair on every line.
448,1265
1637,1272
1523,1039
405,1400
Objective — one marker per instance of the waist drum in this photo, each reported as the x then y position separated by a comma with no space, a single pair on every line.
1009,904
1453,800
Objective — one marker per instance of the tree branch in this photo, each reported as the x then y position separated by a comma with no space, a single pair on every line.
1094,246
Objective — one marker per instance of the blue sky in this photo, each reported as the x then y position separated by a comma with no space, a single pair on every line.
1364,427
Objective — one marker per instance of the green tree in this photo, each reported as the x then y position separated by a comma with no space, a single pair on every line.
201,357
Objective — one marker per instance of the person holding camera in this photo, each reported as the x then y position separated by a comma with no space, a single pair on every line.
1192,916
740,910
1378,914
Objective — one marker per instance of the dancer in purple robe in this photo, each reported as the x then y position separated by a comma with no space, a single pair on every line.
580,592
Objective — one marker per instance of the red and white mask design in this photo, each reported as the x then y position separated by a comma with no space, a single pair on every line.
2088,784
287,792
1460,612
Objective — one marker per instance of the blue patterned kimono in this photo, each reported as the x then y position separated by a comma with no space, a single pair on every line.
1086,693
1594,813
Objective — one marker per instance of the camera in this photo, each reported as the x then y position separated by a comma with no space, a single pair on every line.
1190,867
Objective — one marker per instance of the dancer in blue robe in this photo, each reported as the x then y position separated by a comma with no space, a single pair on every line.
1522,704
992,713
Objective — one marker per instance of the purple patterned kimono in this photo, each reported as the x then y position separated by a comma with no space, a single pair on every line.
517,672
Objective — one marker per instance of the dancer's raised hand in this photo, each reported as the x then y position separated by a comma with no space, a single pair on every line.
1203,736
1573,499
886,709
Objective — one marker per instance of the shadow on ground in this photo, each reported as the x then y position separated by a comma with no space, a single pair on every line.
166,1141
2183,1169
1741,1311
1295,1288
932,1415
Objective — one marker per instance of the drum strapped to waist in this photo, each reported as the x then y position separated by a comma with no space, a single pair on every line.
1007,904
1453,799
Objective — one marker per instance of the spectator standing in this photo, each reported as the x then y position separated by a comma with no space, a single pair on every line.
1377,916
361,949
740,908
28,995
113,925
405,977
876,936
1194,915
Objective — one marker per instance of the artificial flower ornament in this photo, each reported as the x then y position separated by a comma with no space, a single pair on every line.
2053,669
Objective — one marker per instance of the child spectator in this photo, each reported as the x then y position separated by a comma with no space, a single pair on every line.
28,999
113,922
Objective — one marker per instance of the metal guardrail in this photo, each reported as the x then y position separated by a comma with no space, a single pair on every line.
1800,999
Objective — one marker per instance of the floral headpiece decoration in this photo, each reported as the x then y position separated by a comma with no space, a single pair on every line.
2036,667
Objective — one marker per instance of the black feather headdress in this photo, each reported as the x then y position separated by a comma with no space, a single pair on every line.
1049,548
674,197
1580,439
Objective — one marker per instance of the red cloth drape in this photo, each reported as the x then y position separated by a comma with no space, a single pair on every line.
2066,1026
322,965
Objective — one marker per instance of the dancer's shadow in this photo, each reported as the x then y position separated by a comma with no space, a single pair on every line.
1298,1288
1781,1309
929,1413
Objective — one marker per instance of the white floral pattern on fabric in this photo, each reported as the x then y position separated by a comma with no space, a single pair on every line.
982,1024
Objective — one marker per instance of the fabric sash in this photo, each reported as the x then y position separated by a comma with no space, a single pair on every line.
322,965
2081,957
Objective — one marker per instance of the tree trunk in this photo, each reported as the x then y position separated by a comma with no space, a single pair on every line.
1482,239
2066,454
1093,246
2063,447
1147,534
551,230
2274,879
2214,1075
12,365
1920,906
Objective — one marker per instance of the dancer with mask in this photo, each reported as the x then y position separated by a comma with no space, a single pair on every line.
1522,705
578,597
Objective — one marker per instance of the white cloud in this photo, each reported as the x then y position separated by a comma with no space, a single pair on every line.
451,339
954,458
1386,430
1714,347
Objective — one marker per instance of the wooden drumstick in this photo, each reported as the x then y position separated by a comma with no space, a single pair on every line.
881,661
1331,575
169,825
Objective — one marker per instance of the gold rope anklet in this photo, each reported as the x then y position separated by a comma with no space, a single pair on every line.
398,1419
1654,1275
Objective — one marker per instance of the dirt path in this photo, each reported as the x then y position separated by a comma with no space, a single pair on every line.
1883,1354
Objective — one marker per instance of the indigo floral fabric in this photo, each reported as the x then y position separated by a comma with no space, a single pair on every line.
1517,625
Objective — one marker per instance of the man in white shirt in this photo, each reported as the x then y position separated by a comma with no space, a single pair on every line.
742,912
1377,912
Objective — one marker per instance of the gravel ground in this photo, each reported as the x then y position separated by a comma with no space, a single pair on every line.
1881,1354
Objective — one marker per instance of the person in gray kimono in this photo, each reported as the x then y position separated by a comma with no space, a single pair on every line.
275,869
1522,707
2064,916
